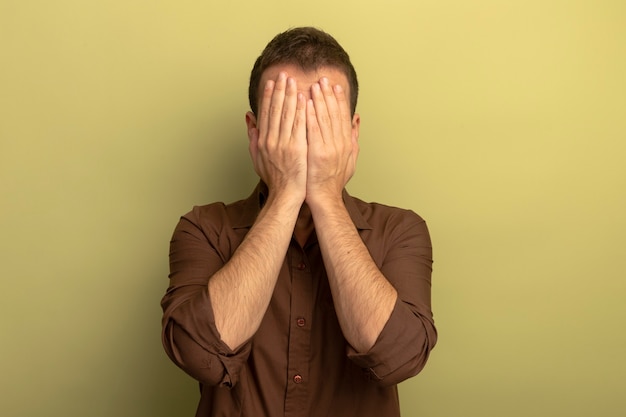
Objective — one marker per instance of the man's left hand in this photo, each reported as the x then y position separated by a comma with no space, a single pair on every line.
332,135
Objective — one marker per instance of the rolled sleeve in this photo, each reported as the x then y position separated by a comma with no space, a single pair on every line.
401,350
189,334
404,345
192,341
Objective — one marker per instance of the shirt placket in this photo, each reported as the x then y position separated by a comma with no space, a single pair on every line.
296,398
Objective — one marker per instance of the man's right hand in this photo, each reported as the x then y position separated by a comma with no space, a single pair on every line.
242,289
278,143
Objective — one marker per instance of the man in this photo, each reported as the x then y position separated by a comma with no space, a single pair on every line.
300,300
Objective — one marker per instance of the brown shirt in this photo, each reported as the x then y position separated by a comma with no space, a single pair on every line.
298,362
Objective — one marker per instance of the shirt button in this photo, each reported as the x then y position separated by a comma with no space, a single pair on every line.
300,322
301,266
297,379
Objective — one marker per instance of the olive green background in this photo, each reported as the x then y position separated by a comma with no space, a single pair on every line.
503,123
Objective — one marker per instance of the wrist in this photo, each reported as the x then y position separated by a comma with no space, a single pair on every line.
289,198
324,201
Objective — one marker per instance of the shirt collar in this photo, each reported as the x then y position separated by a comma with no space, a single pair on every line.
256,200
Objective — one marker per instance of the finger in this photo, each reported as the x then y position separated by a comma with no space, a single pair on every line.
321,111
313,133
276,105
332,106
299,122
264,111
289,109
343,111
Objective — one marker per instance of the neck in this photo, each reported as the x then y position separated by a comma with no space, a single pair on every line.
304,225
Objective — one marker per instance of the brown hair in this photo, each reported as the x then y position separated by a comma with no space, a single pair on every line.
310,49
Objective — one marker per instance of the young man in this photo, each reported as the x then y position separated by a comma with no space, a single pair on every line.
300,300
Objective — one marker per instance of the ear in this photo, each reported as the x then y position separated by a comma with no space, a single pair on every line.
356,125
253,131
253,138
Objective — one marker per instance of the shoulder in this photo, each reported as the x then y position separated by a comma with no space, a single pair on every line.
240,214
218,225
391,233
380,215
219,215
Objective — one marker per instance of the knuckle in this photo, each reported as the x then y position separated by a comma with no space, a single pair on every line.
275,112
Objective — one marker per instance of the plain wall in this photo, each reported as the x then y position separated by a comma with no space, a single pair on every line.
503,123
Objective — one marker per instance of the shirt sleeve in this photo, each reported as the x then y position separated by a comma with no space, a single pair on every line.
189,334
403,346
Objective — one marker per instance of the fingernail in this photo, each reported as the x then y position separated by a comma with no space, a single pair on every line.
324,81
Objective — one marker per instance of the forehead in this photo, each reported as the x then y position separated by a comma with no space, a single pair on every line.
305,78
